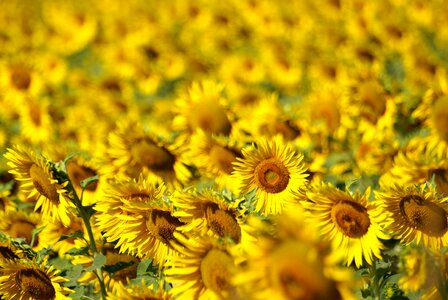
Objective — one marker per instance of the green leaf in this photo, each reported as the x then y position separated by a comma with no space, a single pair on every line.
86,182
98,262
35,233
143,266
76,234
79,251
118,266
73,274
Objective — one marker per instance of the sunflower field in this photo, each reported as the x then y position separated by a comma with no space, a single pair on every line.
240,149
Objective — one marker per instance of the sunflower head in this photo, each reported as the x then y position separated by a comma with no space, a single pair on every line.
23,279
205,267
39,184
349,220
418,214
207,210
204,108
274,169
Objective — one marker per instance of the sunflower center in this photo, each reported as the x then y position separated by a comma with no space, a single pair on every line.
7,253
441,179
216,271
328,113
297,276
77,173
223,223
440,117
35,284
43,184
424,215
161,224
222,158
152,156
272,176
351,218
210,117
23,229
35,114
20,78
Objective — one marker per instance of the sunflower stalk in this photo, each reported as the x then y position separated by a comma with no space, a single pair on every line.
375,286
85,213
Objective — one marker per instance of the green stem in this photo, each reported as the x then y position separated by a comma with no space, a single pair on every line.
92,244
375,282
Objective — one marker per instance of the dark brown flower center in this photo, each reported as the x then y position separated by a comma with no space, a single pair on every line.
223,158
210,117
351,218
23,229
35,284
20,78
43,184
424,215
223,222
77,173
272,176
161,224
152,156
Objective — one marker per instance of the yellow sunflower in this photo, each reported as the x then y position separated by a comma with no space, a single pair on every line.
207,211
23,279
38,184
20,224
79,169
203,271
418,214
9,251
274,169
35,121
291,261
113,257
203,107
133,151
138,292
415,165
415,263
134,214
350,221
214,156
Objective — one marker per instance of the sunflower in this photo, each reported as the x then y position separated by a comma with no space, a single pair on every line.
415,165
126,263
203,271
291,261
35,121
415,263
79,169
138,292
203,107
39,184
134,214
274,169
23,279
350,221
268,118
133,151
20,224
207,211
418,214
214,156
